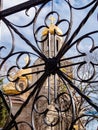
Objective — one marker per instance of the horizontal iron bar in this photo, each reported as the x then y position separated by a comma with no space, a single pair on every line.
73,64
73,57
20,7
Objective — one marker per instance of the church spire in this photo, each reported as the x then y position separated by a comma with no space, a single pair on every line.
53,43
52,28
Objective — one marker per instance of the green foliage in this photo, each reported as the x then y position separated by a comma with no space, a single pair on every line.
3,114
1,81
3,111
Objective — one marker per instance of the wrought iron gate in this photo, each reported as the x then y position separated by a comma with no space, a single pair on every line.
54,75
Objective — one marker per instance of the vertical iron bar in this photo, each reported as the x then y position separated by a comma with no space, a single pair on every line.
49,90
49,55
55,86
55,75
49,45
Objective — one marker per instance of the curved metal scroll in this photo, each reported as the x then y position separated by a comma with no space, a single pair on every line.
57,89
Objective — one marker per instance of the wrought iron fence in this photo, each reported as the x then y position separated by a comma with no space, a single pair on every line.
53,79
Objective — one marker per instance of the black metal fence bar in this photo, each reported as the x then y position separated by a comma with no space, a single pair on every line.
21,7
57,81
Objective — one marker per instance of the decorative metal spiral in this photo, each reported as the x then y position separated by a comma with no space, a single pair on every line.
58,88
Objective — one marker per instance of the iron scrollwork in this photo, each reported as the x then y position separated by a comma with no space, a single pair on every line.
58,84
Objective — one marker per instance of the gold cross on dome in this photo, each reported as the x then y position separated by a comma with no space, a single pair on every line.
52,19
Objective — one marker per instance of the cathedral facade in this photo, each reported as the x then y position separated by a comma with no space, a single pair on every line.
52,92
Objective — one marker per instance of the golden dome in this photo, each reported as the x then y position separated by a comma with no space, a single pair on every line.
51,30
9,88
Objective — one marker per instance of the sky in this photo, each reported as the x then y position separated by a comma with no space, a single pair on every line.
59,6
76,16
22,19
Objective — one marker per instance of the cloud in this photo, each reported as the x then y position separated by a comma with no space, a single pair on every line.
61,7
21,19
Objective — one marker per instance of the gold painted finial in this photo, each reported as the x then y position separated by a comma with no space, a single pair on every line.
52,28
52,19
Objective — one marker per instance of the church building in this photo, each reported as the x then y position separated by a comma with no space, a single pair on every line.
45,113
